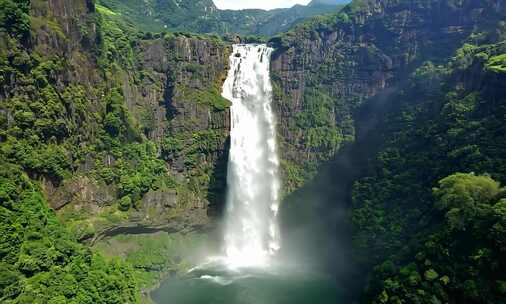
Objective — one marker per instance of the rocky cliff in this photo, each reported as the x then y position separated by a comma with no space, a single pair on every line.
327,67
409,93
121,129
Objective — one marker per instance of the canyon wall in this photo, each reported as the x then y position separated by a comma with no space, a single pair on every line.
136,120
325,69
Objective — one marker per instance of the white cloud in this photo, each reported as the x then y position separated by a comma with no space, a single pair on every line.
263,4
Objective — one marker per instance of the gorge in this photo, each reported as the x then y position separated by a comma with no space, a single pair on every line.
370,139
250,269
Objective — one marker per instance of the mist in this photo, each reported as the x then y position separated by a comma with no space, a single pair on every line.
316,227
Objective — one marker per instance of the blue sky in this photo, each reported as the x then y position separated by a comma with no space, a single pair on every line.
263,4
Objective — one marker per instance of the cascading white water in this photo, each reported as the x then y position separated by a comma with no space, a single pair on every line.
251,231
249,271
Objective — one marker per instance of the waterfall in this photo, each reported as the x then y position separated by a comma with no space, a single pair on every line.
251,229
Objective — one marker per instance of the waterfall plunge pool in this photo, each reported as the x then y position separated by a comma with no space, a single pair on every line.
217,284
248,286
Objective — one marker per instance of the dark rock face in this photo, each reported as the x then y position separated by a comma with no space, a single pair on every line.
204,66
160,200
368,47
157,87
160,95
160,102
82,191
71,34
177,69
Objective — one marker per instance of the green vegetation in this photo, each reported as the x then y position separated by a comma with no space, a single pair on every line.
318,122
33,137
211,97
117,41
193,146
67,135
202,16
497,63
89,102
14,18
464,257
319,135
153,256
445,244
45,134
320,127
41,262
411,245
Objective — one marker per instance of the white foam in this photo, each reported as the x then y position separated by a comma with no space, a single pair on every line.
252,234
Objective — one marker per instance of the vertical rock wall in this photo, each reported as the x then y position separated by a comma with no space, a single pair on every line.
368,47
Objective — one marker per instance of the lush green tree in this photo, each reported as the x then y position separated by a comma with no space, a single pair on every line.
464,258
14,18
464,197
441,233
41,262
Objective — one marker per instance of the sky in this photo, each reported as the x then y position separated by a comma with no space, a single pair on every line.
263,4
